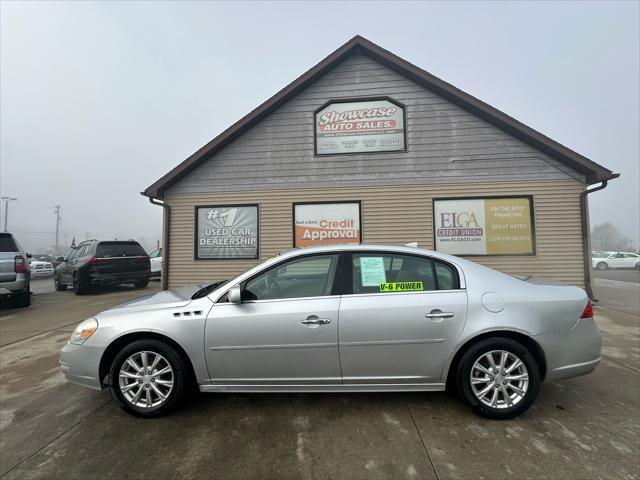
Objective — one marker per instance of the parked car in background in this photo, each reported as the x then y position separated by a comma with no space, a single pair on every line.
604,260
355,318
95,262
15,274
53,260
40,268
156,262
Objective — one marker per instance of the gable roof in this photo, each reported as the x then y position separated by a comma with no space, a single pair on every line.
593,172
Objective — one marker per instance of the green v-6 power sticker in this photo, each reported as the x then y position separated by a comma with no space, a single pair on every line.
401,287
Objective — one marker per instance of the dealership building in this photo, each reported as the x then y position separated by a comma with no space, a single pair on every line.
367,148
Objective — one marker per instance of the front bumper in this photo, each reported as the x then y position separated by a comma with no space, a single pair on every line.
81,364
574,353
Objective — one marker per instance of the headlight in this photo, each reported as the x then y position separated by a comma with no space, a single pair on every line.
83,331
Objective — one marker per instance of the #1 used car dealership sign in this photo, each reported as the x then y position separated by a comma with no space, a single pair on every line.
226,232
484,226
356,127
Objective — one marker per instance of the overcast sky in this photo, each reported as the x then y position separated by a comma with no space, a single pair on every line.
100,99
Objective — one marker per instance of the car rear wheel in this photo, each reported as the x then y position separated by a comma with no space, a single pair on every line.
499,378
79,286
147,378
22,299
602,266
142,284
60,287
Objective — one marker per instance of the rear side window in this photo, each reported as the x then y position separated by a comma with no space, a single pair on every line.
389,273
119,249
7,244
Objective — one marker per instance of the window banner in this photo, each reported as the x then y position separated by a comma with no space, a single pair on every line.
326,223
226,232
484,226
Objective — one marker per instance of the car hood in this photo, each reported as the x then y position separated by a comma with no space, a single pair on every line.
177,297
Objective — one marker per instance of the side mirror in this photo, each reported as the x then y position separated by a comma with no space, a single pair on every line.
235,295
29,255
60,259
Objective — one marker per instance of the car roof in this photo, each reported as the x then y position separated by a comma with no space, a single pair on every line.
369,247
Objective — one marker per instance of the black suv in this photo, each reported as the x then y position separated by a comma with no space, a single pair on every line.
103,263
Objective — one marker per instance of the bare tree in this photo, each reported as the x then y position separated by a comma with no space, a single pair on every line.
608,238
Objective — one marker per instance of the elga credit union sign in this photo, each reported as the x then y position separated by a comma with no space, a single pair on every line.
362,126
226,232
484,226
326,223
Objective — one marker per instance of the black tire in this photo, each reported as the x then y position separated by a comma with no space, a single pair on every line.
142,283
80,287
638,266
60,287
180,376
602,266
476,351
22,299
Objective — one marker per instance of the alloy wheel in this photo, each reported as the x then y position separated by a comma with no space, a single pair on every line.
146,379
499,379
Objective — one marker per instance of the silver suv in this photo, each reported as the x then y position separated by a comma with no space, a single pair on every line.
14,271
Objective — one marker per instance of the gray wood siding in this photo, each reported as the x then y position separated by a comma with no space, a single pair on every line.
445,143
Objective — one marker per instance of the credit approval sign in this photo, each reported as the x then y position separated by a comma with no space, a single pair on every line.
326,223
375,125
484,226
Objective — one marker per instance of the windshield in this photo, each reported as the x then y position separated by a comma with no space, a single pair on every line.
600,254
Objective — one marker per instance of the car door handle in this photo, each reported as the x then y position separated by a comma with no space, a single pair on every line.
439,314
314,320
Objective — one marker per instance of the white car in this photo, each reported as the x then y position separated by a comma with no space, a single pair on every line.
156,262
40,268
605,260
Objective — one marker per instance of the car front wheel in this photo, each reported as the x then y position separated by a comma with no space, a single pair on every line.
602,266
147,378
499,378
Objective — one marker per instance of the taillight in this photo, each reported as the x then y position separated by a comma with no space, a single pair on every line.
588,311
20,264
147,260
98,261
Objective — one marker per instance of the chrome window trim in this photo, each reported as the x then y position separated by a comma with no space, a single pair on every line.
273,300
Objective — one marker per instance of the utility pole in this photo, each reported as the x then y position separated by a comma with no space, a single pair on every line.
57,212
6,209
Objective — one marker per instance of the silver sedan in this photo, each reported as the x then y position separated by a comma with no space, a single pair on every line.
342,318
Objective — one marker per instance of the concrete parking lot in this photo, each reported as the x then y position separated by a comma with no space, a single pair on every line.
588,427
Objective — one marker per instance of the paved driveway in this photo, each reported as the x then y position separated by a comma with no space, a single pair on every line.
588,427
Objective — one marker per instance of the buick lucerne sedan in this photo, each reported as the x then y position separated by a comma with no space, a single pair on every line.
347,318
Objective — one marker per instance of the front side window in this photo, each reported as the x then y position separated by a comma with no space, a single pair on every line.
389,273
303,277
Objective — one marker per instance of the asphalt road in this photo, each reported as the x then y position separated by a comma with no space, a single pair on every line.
626,275
587,427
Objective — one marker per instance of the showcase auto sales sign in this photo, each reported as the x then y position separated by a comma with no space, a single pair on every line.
354,127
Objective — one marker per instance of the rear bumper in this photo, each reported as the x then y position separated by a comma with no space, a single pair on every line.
80,364
155,274
115,278
20,284
574,353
